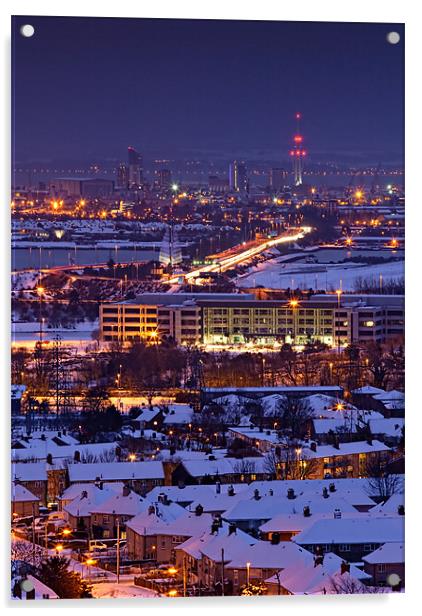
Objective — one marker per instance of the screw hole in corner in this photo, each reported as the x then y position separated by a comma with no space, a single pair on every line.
393,38
27,30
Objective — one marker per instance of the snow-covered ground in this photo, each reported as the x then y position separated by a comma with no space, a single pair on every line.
125,590
278,275
28,333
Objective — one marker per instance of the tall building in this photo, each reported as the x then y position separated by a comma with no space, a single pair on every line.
170,252
122,178
135,168
298,153
277,179
238,177
163,178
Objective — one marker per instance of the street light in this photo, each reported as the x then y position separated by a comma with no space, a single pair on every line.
59,548
248,573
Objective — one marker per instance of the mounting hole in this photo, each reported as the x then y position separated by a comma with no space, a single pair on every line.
27,30
393,38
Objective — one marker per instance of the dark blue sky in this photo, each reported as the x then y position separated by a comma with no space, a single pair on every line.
86,88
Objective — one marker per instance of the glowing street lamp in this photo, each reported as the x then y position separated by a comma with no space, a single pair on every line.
172,570
132,457
67,532
59,548
248,573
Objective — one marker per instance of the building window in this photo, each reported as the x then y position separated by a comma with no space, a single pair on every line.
344,547
382,568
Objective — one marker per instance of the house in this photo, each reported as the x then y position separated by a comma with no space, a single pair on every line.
154,534
204,558
32,476
75,490
141,476
24,503
178,416
390,430
385,561
391,403
78,511
114,512
351,538
149,418
251,514
316,577
352,459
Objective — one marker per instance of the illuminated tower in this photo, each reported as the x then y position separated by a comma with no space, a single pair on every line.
135,167
298,153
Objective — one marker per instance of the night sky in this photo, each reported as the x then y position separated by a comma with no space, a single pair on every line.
88,88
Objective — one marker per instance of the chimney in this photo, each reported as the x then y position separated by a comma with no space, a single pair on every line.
181,485
97,482
270,492
400,509
215,526
325,492
232,529
77,455
126,490
49,458
199,510
319,556
172,450
291,494
151,510
344,567
337,514
312,446
100,485
275,538
230,490
59,434
84,494
256,494
307,511
43,437
332,487
211,458
218,487
64,431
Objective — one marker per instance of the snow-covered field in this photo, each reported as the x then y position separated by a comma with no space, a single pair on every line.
278,275
124,590
28,333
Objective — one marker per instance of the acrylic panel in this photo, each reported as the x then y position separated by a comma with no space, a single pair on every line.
207,392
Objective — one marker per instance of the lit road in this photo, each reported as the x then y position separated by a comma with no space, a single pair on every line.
229,259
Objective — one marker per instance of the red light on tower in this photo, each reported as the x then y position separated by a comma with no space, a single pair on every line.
298,116
298,138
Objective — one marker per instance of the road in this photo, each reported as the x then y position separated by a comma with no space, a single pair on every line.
240,254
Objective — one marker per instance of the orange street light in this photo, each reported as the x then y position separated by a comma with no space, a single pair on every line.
172,570
67,532
40,290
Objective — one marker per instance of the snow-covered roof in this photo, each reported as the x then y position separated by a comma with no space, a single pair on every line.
84,503
368,390
344,449
40,449
391,505
20,494
119,504
41,590
148,414
29,471
389,553
390,426
179,414
310,579
170,519
264,555
75,490
225,466
390,396
115,471
362,529
235,545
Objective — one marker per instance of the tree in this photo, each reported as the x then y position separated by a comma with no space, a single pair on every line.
296,414
55,573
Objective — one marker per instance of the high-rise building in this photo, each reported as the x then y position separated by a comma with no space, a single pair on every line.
277,178
163,178
122,178
238,177
135,167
